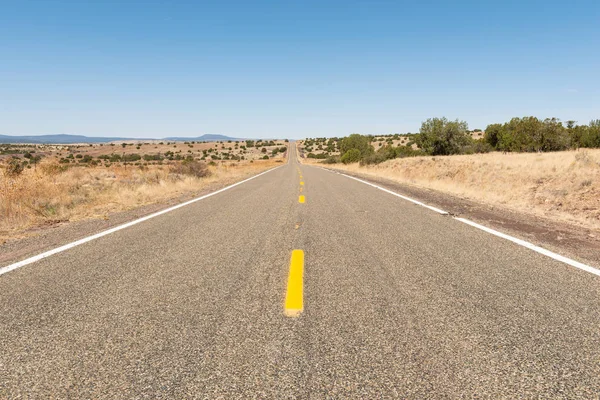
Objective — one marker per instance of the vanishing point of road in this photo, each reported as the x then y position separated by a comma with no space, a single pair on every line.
299,283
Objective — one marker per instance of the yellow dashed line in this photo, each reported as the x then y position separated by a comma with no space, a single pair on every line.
294,299
301,199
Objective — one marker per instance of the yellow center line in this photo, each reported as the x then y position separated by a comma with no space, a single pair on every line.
301,183
294,299
301,199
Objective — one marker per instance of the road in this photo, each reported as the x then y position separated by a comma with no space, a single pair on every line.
398,301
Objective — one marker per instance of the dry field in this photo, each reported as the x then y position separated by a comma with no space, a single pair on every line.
52,192
563,186
211,151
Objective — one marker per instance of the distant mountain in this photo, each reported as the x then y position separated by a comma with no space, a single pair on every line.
58,139
70,139
205,138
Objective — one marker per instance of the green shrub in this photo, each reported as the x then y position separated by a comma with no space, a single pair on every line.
351,156
439,136
320,156
152,157
407,151
356,142
131,157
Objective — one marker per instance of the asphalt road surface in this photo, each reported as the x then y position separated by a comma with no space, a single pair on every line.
397,302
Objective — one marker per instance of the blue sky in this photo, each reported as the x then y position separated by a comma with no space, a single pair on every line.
292,68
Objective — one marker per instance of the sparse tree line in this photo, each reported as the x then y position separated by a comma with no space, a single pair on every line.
440,136
531,134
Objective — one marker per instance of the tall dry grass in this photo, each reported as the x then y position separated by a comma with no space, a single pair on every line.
561,185
52,192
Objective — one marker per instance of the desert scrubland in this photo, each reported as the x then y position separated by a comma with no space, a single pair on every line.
70,183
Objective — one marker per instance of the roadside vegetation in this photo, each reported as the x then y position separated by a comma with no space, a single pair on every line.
540,167
44,185
440,136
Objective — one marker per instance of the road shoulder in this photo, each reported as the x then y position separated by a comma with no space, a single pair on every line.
561,237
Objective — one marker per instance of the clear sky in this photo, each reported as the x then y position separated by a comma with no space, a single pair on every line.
292,68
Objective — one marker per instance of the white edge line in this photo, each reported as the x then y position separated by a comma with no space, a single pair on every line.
533,247
437,210
520,242
60,249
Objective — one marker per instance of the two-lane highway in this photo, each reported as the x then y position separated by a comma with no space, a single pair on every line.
397,301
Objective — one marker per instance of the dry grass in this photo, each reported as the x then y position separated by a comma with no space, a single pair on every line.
562,185
53,192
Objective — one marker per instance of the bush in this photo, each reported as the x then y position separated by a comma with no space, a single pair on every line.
375,158
152,157
591,135
407,151
320,156
331,160
533,134
190,168
356,142
351,156
131,157
14,168
439,136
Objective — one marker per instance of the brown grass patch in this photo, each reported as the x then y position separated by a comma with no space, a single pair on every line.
53,192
